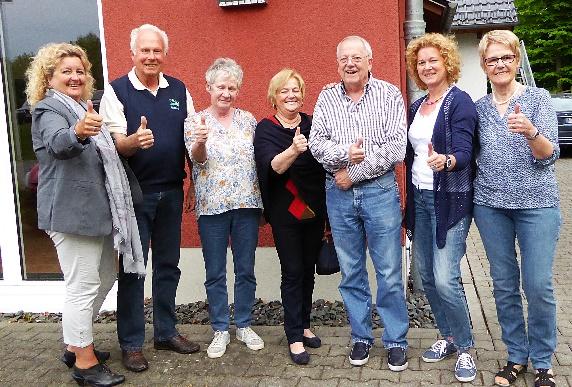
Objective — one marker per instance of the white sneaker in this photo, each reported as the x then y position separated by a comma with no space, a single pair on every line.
217,348
250,338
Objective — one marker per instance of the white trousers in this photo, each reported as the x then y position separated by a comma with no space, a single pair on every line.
89,268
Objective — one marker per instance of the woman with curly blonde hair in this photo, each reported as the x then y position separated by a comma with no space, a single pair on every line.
84,200
440,192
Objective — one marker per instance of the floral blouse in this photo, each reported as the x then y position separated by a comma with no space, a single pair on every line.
227,179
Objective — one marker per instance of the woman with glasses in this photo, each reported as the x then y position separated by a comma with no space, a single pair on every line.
440,193
516,198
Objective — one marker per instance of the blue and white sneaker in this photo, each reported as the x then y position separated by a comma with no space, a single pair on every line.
465,369
439,351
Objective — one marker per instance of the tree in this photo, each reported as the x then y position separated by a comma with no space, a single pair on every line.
92,46
546,28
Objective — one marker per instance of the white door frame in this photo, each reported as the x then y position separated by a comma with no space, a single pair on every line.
17,294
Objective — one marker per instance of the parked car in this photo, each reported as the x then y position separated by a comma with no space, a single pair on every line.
563,105
23,113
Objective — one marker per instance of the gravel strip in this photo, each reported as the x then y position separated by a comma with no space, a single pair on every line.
324,313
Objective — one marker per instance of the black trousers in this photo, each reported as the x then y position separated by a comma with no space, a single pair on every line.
298,246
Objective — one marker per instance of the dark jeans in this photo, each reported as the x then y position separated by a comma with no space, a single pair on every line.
159,221
298,246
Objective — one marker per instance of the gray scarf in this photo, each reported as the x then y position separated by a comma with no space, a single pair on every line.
126,239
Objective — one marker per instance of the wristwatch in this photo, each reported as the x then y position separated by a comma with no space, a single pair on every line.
534,136
447,162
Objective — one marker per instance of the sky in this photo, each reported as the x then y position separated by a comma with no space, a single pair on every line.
28,24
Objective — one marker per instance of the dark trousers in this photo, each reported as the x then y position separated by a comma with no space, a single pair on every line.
159,221
298,246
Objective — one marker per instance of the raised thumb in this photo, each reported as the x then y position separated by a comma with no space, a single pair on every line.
297,131
90,108
517,108
143,122
359,142
430,148
203,120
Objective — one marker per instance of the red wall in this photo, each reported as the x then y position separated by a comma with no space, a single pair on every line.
302,34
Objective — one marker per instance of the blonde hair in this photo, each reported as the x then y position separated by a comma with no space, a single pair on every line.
505,37
42,68
279,80
448,49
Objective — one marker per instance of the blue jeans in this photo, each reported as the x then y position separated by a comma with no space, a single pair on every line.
537,232
440,270
159,220
370,211
241,225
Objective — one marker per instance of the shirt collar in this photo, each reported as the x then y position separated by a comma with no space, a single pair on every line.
365,88
138,85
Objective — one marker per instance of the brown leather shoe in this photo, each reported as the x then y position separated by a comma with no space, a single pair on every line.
134,361
177,344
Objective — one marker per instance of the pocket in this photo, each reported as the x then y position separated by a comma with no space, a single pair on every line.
330,182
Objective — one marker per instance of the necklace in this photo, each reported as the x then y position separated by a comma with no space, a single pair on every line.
509,98
429,102
289,123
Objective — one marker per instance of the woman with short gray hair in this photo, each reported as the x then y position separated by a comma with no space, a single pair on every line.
228,202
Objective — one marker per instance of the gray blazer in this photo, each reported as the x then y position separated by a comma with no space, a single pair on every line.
71,185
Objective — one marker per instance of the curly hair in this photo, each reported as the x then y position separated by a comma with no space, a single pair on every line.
448,49
224,65
279,80
42,68
504,37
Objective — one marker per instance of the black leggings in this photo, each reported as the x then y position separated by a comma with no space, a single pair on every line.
298,246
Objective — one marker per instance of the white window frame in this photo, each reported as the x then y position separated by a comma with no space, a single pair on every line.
17,294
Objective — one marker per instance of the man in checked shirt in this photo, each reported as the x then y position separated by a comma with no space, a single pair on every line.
359,134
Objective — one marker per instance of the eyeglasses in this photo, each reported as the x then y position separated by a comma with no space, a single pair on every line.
355,59
506,59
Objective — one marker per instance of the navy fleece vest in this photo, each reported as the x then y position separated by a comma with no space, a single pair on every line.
161,167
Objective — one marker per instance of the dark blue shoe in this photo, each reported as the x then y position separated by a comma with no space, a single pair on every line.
397,359
359,354
312,342
300,358
439,351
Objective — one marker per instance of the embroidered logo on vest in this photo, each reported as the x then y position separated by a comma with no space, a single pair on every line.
174,104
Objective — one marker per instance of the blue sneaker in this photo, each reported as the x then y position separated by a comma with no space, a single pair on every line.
359,354
465,369
439,351
397,359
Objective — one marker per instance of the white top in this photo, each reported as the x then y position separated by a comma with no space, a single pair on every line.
112,109
420,134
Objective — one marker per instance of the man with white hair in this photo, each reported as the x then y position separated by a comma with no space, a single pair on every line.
145,111
359,134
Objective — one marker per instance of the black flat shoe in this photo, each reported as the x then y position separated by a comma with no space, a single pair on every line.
99,376
68,358
312,342
300,358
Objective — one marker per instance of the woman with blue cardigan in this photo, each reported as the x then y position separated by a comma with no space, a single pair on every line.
440,192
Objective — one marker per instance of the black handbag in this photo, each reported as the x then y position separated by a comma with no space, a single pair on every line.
327,259
136,192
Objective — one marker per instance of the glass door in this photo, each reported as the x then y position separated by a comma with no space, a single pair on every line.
26,25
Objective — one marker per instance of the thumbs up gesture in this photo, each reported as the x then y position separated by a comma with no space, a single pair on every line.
356,153
518,123
91,123
144,136
299,142
435,161
202,132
